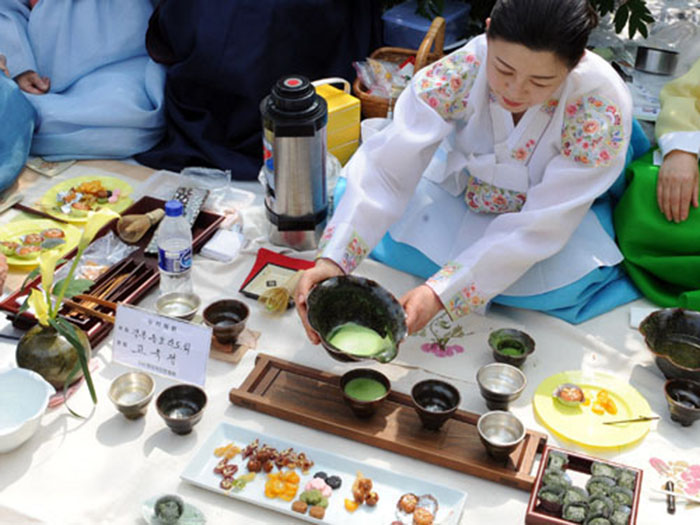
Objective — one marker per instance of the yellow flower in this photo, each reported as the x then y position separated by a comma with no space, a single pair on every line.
94,224
47,265
41,308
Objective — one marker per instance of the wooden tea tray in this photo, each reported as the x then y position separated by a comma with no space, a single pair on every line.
313,398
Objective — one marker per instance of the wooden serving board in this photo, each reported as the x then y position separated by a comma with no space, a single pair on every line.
313,398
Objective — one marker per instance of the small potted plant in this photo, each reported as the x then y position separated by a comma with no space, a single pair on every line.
55,348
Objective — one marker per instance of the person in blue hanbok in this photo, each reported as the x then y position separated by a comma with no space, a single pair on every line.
83,65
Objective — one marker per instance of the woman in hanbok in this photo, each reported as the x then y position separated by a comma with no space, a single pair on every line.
83,66
529,129
657,219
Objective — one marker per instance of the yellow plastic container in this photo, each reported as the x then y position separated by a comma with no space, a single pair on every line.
343,130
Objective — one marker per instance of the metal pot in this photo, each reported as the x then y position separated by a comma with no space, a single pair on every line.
657,61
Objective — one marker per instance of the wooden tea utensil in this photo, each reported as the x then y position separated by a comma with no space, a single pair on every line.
89,311
276,300
132,227
86,307
38,213
635,420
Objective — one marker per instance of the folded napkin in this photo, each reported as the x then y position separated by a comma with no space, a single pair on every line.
223,246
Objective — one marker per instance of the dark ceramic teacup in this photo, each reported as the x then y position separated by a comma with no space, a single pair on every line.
181,406
683,398
364,407
673,336
227,319
434,401
511,346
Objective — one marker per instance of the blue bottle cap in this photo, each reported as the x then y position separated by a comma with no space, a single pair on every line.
173,208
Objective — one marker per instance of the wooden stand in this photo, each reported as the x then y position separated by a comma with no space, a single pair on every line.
313,398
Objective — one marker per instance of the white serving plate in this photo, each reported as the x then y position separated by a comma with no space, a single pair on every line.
388,485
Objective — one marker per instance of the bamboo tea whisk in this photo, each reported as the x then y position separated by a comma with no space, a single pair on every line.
132,227
276,300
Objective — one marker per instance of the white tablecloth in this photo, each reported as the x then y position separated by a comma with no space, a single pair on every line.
101,469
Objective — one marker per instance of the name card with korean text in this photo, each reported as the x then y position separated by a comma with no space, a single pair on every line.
161,345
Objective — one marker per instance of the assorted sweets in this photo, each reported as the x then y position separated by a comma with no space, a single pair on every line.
85,197
416,510
607,496
31,245
600,401
288,478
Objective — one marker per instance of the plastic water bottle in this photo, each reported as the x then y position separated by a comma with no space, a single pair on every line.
174,239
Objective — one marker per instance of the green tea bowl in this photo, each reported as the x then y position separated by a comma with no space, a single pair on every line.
357,302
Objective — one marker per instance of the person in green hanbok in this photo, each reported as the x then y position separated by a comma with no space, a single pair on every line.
657,220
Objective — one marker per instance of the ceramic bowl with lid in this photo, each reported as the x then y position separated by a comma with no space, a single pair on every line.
24,397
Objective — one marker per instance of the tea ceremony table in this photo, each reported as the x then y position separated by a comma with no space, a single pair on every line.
102,468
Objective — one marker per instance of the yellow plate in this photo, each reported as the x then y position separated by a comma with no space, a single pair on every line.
580,424
48,201
12,231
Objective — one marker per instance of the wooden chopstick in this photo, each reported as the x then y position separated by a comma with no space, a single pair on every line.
39,213
96,300
89,311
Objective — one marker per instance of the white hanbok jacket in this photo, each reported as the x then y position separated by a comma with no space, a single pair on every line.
502,208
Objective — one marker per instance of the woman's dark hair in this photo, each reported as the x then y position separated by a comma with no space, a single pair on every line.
560,26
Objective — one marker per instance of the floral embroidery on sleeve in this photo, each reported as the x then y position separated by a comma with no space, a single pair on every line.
465,301
445,85
355,251
323,241
592,133
445,272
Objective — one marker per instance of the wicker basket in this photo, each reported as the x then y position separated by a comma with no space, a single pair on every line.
431,49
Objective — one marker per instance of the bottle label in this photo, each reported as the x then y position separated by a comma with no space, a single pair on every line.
175,261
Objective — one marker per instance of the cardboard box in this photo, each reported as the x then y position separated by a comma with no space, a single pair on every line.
343,130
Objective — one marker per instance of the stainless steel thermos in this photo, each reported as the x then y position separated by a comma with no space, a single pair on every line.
294,122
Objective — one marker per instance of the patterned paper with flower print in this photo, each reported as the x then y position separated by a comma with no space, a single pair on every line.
592,132
482,197
465,301
442,330
686,477
445,85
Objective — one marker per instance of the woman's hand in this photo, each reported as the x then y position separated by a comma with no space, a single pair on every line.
677,185
31,82
3,65
322,270
421,304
